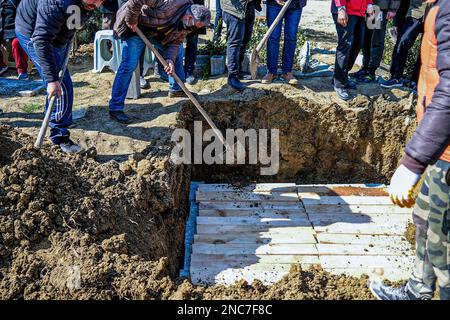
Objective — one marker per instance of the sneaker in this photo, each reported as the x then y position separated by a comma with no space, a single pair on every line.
119,116
70,147
234,82
359,74
190,79
177,94
342,93
143,83
23,76
289,78
3,70
268,78
384,292
368,78
350,85
391,83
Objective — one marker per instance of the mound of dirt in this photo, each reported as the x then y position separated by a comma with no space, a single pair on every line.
311,284
63,215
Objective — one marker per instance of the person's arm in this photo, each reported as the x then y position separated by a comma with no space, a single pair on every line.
171,49
51,17
133,10
433,133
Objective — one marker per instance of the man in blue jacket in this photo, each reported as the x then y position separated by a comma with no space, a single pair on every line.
45,29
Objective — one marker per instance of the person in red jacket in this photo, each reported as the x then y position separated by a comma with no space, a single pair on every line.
349,17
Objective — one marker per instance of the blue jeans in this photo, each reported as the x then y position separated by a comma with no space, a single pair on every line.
132,48
61,117
291,21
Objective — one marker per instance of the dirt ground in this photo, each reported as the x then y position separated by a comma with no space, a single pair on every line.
109,223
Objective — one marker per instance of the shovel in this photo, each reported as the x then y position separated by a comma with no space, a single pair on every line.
186,90
254,58
46,121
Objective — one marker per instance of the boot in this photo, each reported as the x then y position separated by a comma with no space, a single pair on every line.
234,82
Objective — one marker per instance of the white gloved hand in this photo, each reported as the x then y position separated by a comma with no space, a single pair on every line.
402,184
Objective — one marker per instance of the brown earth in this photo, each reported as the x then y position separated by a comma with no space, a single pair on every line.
116,214
118,226
111,221
321,140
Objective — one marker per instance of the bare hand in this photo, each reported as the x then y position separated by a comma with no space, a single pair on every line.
132,26
170,68
54,89
391,15
280,2
342,18
370,10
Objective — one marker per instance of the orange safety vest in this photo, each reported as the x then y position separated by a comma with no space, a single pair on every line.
429,75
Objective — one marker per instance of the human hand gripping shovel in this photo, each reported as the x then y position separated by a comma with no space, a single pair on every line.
46,121
186,90
254,58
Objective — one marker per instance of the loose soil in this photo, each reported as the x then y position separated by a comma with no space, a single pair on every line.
115,215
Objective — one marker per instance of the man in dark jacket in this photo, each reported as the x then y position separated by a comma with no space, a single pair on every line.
45,29
412,28
374,36
428,152
239,16
166,23
8,37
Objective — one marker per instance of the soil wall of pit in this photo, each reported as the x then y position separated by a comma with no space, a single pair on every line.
74,228
319,143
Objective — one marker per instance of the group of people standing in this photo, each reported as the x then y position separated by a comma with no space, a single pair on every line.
362,24
8,37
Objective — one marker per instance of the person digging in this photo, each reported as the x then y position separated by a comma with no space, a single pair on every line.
45,32
428,152
166,23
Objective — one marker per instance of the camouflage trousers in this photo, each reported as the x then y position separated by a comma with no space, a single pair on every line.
432,218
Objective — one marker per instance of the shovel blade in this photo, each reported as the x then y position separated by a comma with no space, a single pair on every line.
254,63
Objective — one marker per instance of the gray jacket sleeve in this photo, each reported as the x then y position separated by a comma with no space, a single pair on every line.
433,133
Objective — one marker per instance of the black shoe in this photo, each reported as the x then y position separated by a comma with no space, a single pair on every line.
234,82
342,93
384,292
350,85
357,75
119,116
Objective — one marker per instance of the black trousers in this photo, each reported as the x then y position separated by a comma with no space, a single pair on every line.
239,33
350,40
373,47
406,39
190,54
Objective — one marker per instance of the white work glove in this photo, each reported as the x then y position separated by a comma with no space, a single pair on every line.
402,184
